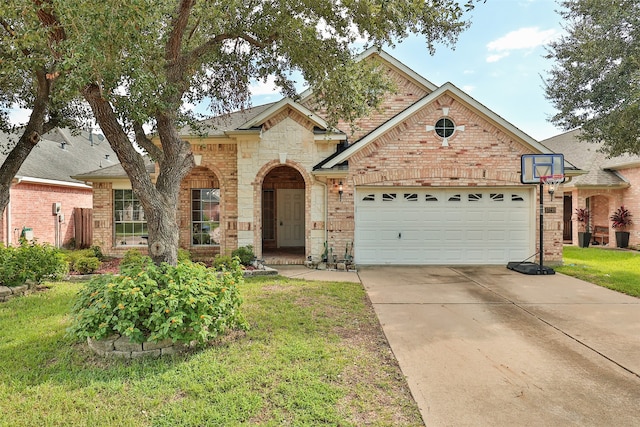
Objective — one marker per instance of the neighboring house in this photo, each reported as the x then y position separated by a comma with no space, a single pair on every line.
432,177
608,184
44,199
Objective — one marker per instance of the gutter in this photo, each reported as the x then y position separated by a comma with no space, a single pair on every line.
31,180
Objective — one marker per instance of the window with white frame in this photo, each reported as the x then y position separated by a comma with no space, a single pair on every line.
205,216
129,223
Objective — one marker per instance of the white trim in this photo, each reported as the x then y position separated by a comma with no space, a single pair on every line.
280,105
447,87
44,181
330,137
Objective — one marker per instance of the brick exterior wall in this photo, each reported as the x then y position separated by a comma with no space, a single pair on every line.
284,154
407,92
604,201
409,155
31,207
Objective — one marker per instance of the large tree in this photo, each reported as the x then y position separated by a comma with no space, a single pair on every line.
595,83
138,62
30,38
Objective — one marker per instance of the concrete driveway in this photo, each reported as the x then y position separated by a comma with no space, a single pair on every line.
486,346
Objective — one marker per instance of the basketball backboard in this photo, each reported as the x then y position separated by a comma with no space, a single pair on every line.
535,166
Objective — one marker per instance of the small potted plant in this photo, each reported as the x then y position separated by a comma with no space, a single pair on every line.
620,220
584,236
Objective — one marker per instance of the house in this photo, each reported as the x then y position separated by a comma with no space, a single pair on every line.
608,184
45,203
432,177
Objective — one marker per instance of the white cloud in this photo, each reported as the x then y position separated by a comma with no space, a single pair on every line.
468,88
497,57
522,39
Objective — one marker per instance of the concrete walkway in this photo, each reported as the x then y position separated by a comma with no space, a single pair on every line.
486,346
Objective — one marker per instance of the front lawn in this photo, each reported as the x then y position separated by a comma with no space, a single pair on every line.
614,269
315,355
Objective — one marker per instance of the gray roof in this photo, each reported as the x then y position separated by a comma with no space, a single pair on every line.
115,171
217,126
588,157
61,154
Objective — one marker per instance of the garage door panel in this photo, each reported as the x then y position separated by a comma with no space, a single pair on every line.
443,226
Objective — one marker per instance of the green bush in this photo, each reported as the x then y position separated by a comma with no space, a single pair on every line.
245,254
134,258
222,262
73,257
31,261
87,265
183,255
146,302
97,252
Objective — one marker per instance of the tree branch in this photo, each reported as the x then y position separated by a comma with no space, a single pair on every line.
131,160
144,142
178,28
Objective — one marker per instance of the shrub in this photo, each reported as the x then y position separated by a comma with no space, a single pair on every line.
31,261
221,262
245,254
146,302
73,257
97,252
134,259
87,265
183,255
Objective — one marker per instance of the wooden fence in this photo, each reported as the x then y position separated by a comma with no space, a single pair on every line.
83,225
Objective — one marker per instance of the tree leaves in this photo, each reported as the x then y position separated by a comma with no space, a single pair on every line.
595,83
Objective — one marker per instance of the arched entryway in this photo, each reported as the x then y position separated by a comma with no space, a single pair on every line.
283,216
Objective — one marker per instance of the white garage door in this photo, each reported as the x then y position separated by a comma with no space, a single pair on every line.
443,226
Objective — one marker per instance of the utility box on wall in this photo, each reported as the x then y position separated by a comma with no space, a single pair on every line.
56,208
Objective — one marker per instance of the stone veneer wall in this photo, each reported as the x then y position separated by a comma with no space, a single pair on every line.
288,140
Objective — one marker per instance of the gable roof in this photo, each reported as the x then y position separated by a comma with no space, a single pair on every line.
447,88
589,157
219,125
61,154
252,119
374,52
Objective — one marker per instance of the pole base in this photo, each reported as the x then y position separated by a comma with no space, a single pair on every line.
530,268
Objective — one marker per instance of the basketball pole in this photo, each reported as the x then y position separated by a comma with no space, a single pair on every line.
541,268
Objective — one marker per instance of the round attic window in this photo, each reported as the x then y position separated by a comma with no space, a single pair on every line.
445,128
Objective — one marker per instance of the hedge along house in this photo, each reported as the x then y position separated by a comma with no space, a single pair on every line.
432,177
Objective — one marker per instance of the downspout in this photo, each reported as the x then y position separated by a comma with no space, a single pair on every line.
326,209
8,221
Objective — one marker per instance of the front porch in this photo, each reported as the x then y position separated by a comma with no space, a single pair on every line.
291,255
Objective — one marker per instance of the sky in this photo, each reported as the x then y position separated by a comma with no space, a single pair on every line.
499,61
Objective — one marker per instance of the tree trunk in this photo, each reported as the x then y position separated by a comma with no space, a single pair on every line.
160,201
29,139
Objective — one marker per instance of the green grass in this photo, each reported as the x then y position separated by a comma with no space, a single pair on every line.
614,269
315,355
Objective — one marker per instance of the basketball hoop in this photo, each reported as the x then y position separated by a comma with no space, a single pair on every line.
553,182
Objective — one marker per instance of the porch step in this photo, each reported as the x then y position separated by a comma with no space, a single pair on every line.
284,260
